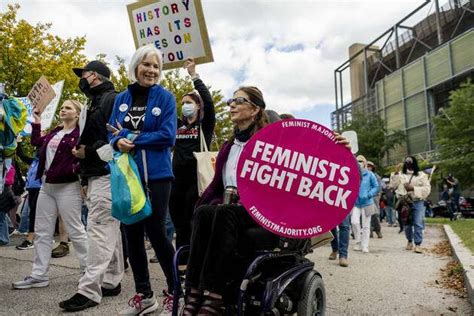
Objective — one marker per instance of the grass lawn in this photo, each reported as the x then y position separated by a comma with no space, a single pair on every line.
464,228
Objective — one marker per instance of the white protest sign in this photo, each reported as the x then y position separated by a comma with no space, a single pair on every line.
82,119
176,27
48,114
351,136
41,94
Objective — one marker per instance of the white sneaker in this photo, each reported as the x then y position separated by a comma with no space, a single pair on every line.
14,232
138,305
168,305
365,250
29,282
357,247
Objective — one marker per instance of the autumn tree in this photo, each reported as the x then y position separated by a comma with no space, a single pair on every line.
29,51
120,78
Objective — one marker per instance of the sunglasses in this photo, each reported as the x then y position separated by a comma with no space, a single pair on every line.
239,101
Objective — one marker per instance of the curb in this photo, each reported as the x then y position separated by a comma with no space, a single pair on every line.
465,258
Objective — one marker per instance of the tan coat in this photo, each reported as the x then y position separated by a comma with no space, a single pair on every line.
421,184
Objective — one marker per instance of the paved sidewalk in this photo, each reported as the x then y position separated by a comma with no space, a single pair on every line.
64,275
388,281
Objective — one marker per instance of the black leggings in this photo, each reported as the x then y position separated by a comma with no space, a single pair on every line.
184,195
215,235
154,226
32,199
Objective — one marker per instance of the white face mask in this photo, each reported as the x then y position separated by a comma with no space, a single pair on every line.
189,109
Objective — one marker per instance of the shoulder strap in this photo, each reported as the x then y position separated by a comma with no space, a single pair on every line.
203,145
145,170
409,181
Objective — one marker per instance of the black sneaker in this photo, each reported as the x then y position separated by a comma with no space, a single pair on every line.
26,244
111,292
77,303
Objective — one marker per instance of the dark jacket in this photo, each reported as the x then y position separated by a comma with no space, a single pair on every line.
94,135
64,165
33,162
188,137
214,192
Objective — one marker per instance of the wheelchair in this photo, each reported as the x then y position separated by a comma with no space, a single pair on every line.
270,276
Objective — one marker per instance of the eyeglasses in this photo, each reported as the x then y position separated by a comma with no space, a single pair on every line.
239,101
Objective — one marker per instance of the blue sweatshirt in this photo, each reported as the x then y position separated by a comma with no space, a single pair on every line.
369,188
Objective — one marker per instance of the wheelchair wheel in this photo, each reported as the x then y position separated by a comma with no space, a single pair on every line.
313,298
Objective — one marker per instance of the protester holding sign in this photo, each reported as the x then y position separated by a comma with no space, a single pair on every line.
364,207
105,261
412,187
147,113
198,120
216,227
59,194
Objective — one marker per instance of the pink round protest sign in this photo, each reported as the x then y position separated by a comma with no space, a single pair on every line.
295,181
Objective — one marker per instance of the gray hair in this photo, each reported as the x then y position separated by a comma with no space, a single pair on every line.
101,77
141,54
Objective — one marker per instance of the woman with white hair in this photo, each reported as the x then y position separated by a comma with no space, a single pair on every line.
145,115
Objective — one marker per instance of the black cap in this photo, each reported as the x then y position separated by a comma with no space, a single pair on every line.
96,66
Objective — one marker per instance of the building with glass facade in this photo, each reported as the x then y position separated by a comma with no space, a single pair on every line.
408,80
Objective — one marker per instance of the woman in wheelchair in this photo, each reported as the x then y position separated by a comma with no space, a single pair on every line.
216,227
220,222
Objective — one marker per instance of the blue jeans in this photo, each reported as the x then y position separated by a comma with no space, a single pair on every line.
340,242
4,223
414,230
390,212
25,220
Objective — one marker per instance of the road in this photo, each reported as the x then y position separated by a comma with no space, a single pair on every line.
389,280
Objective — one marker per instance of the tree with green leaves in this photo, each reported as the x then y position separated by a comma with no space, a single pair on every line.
29,51
374,139
455,134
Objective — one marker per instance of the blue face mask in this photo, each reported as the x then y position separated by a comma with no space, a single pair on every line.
189,110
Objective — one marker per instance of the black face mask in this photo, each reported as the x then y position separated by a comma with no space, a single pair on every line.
85,87
409,165
244,135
